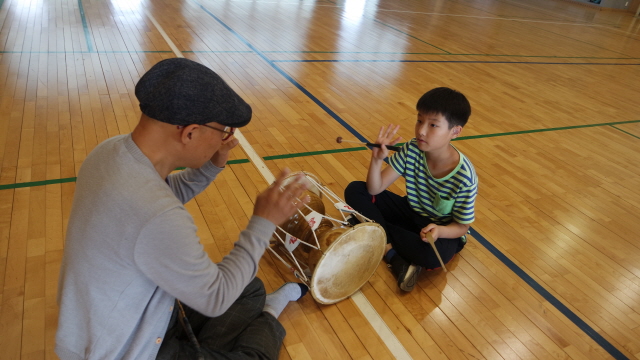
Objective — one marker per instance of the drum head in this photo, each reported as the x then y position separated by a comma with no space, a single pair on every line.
348,263
310,186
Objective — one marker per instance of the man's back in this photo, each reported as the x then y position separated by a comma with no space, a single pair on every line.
115,196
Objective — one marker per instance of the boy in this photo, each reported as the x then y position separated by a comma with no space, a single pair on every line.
441,188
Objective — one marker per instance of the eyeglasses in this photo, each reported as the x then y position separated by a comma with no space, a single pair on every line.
228,131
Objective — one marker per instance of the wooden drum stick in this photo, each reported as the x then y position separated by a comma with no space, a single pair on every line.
430,240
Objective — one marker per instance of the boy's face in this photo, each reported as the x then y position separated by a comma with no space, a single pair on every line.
433,133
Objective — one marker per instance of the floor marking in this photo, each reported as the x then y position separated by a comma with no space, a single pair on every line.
87,36
165,36
564,310
381,328
341,150
451,61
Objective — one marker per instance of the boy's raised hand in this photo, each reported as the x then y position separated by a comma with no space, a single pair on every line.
386,137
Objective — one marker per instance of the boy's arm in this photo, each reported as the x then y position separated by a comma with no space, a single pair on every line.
452,231
378,180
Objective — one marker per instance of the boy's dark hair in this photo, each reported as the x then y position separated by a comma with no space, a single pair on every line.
451,104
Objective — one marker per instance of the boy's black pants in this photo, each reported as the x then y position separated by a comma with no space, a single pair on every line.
401,224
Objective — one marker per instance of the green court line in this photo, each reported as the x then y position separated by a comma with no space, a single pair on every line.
333,151
73,179
544,130
37,183
626,132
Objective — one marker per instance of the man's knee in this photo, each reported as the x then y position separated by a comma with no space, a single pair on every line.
255,288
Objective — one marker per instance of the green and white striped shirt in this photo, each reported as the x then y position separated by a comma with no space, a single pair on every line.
451,198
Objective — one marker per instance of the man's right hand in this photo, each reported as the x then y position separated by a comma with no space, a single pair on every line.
277,204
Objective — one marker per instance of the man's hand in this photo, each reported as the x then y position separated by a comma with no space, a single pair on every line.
386,137
220,158
277,204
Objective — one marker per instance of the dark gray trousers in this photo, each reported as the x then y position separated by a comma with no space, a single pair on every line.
244,331
401,224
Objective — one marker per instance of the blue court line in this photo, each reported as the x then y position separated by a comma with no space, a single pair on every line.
398,30
456,61
283,73
510,264
85,27
593,334
88,52
313,52
411,36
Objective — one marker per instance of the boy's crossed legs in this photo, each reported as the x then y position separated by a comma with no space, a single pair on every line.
402,226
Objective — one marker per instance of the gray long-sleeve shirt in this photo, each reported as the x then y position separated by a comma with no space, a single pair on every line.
131,249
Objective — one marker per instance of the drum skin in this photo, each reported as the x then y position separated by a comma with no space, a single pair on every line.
346,264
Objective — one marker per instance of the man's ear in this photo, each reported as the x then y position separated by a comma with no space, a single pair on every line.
187,133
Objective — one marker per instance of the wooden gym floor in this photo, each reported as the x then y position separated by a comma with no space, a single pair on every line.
552,270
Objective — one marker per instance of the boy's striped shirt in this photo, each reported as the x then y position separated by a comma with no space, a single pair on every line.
442,200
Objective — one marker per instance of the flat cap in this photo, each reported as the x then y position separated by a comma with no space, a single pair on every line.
179,91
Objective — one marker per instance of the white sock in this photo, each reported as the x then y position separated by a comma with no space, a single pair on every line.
278,300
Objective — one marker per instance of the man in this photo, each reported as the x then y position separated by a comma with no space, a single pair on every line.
131,247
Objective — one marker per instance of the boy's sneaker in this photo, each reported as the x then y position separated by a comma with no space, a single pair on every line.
407,274
410,279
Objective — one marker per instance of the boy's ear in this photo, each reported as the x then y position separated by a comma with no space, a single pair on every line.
456,131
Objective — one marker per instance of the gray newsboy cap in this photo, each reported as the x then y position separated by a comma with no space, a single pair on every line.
179,91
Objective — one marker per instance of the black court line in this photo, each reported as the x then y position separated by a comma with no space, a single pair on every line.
581,324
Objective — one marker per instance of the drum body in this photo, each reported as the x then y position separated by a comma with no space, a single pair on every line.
347,256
